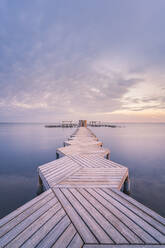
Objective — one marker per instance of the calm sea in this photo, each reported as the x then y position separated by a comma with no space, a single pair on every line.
23,147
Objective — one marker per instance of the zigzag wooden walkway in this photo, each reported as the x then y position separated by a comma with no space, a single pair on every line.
83,205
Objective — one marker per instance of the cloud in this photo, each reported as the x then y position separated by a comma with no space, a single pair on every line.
71,59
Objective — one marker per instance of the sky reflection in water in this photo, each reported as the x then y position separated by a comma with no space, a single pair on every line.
23,147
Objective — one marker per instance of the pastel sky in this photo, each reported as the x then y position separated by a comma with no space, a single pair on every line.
90,59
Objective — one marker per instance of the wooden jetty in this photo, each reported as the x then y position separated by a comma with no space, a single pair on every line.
101,124
63,124
82,123
84,205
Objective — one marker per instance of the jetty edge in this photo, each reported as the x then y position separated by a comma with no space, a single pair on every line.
83,204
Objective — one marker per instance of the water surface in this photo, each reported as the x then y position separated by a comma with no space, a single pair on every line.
23,147
140,147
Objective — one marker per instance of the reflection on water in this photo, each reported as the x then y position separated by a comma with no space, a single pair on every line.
25,146
140,147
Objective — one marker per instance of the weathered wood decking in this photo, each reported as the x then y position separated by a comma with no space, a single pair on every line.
83,170
83,142
83,206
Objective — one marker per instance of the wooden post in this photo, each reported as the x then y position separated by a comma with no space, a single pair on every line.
108,156
82,123
40,186
39,180
126,189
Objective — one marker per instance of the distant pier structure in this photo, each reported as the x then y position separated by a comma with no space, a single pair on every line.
64,124
100,124
69,124
80,123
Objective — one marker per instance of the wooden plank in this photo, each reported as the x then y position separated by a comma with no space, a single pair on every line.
68,170
93,175
106,177
19,218
88,160
73,150
129,223
114,235
44,230
106,161
124,246
139,221
92,169
101,161
86,163
78,222
96,229
56,177
64,177
23,208
101,171
53,163
54,234
81,173
58,169
65,238
115,221
25,223
28,232
144,216
86,142
95,185
90,182
76,242
150,212
58,165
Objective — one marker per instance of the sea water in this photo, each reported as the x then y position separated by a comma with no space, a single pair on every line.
23,147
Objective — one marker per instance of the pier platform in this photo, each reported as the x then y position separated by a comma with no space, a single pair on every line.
77,171
83,206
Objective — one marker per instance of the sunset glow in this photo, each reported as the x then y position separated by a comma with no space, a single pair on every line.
98,60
